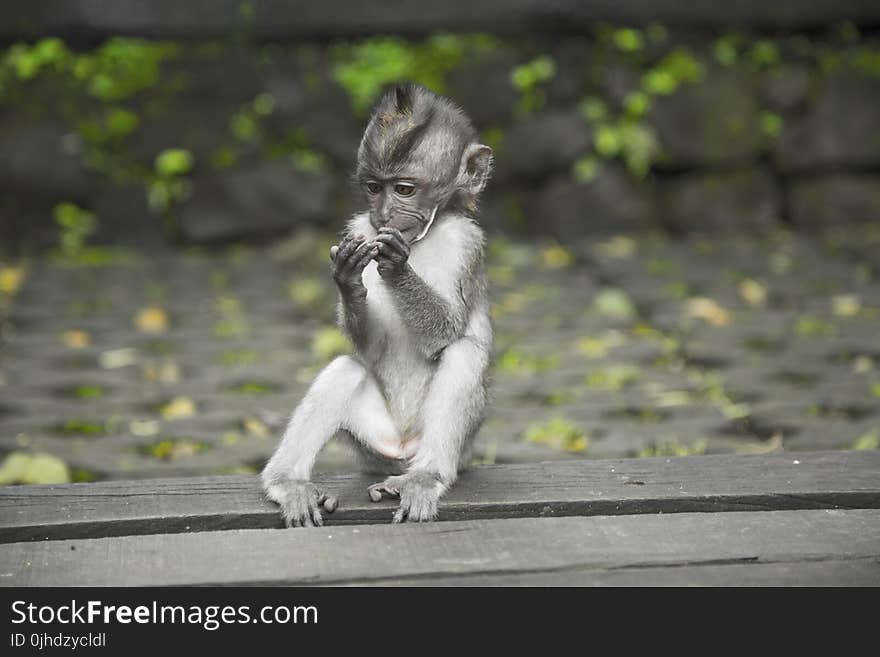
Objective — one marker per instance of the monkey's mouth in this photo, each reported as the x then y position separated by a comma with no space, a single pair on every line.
413,228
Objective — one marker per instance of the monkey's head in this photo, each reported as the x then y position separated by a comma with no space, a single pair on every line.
419,156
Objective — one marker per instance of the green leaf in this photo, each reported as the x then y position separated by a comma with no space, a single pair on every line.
174,162
764,54
870,440
627,39
614,302
22,468
593,109
607,141
264,104
560,434
121,122
585,169
637,104
724,50
771,123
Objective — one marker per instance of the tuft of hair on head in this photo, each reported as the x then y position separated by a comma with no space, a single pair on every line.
404,115
412,125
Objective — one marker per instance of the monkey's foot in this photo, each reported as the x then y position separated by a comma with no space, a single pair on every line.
301,502
419,493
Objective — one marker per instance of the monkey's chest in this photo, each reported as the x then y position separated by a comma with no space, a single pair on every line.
395,360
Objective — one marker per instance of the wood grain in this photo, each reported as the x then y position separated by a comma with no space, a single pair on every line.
771,547
571,488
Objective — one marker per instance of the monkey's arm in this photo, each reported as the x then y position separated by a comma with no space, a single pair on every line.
349,260
435,320
351,315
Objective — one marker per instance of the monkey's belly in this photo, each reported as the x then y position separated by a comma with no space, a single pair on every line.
405,379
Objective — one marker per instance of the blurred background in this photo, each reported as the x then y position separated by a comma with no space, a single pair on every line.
684,222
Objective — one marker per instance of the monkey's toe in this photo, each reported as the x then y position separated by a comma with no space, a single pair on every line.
301,503
388,488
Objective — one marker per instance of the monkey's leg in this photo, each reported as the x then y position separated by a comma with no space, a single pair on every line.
451,415
344,395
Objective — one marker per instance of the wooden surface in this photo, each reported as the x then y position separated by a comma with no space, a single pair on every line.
784,519
571,488
768,547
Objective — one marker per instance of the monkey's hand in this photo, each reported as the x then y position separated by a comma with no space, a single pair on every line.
393,252
301,502
419,493
348,261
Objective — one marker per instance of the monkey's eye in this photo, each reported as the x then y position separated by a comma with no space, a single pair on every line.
374,188
404,189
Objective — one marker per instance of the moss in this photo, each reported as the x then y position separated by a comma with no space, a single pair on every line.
643,415
231,327
559,433
82,476
515,361
81,428
172,449
87,392
253,388
615,378
309,292
673,448
238,358
863,60
95,256
813,327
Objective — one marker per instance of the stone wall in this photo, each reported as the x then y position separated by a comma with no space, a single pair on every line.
683,126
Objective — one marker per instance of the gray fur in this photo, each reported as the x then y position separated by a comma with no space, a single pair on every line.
420,329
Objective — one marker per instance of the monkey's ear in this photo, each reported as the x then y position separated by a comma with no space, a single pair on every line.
476,165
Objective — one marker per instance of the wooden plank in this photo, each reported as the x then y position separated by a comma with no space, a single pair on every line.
536,549
589,487
831,572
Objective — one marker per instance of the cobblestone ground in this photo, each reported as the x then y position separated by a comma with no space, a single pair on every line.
175,364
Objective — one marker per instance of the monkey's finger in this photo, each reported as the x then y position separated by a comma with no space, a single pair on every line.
390,230
333,251
346,248
389,245
376,491
351,264
328,502
291,520
364,259
396,234
399,515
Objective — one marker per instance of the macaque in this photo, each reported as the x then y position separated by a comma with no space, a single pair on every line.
413,300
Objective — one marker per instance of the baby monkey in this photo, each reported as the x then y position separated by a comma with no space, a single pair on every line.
413,300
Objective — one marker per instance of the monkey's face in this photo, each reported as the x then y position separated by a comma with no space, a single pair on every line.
400,203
